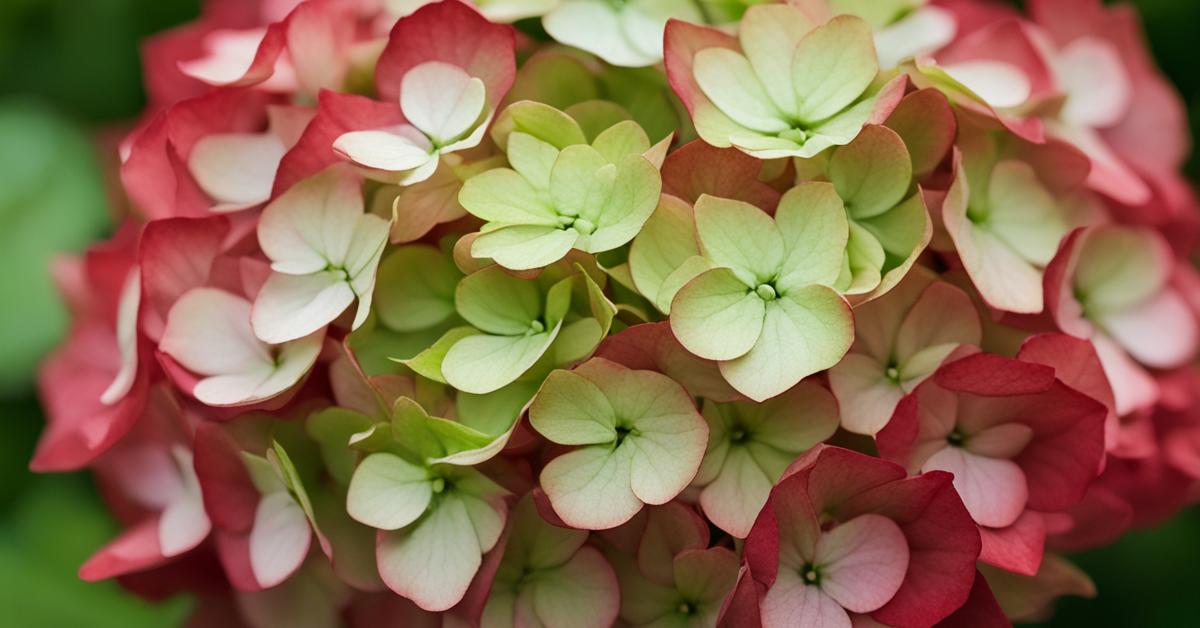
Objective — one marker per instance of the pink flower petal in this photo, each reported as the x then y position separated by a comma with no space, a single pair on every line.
993,490
793,603
863,561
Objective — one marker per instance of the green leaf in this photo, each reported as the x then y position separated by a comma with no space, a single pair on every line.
814,229
416,288
387,492
716,316
498,303
872,174
52,200
832,66
803,332
739,236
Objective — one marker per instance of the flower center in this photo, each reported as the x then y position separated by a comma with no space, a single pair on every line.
581,225
766,292
956,438
796,135
811,574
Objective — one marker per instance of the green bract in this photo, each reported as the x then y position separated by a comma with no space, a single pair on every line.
561,193
750,445
889,225
794,89
640,441
766,310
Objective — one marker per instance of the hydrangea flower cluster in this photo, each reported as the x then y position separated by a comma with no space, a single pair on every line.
585,313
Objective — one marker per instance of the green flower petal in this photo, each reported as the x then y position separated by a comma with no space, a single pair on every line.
872,174
716,316
498,303
806,331
815,232
728,79
739,236
503,196
416,288
832,67
524,247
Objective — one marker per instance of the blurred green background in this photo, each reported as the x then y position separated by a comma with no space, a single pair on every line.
69,73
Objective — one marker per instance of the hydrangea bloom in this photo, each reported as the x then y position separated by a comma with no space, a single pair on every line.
472,313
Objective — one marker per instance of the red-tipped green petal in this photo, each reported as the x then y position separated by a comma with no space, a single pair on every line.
433,561
590,488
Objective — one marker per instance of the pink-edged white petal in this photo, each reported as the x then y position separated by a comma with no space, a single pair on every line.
293,306
236,169
993,490
442,100
1133,387
184,523
1090,71
793,603
862,562
310,227
1160,332
395,149
127,324
279,539
865,393
208,332
999,84
230,55
923,31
